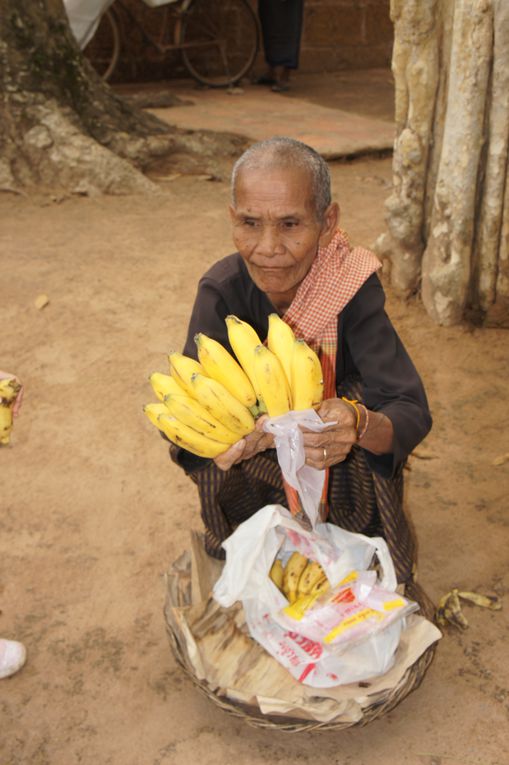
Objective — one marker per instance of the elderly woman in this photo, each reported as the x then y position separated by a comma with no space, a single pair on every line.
292,258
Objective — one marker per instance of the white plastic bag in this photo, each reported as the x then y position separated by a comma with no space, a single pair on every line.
250,552
288,439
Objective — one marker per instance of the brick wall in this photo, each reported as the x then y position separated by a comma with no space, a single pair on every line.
346,34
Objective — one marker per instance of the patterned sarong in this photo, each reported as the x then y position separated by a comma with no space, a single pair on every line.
359,499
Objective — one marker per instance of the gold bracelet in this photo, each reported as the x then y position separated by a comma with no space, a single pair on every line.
353,403
366,423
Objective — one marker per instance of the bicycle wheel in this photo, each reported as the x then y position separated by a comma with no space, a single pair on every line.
104,48
219,40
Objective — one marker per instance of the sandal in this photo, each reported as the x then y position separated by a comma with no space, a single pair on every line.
266,79
280,87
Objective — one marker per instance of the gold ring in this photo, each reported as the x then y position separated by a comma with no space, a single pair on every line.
324,454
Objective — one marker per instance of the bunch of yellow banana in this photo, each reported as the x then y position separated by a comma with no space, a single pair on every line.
286,374
300,363
197,411
209,404
221,366
9,389
300,577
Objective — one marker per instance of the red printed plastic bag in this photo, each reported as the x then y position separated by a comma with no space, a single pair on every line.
315,641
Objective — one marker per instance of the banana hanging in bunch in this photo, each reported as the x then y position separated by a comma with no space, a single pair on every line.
208,405
188,438
192,413
292,573
306,377
164,385
271,382
186,423
219,364
222,405
300,363
9,389
153,411
280,340
182,368
243,339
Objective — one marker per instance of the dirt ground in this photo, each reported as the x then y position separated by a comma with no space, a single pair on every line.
93,513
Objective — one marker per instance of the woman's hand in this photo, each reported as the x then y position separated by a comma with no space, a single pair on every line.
334,444
19,398
247,447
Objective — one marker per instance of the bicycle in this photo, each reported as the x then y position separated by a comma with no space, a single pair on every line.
218,39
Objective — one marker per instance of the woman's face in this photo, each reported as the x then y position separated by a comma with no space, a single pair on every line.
275,228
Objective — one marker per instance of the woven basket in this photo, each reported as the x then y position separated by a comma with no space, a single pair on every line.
180,573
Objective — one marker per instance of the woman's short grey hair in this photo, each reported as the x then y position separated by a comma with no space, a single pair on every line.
281,152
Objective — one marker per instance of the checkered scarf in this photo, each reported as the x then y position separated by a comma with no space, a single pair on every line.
336,275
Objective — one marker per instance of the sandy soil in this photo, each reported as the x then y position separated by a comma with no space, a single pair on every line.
93,512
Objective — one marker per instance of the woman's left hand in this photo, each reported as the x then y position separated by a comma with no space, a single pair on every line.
334,444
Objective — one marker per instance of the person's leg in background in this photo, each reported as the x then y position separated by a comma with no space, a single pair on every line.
281,23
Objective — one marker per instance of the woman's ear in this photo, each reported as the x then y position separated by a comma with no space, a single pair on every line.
329,225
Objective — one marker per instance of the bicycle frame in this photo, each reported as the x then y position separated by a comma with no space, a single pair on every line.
171,10
210,48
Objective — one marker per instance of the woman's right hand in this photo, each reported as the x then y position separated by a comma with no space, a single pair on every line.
254,443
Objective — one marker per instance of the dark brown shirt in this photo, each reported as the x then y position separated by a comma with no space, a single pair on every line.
369,352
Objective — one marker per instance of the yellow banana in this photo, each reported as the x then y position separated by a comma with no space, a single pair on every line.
312,574
189,439
163,385
243,339
221,365
222,405
182,368
153,411
5,423
292,573
276,573
9,389
280,340
321,586
271,382
485,601
307,377
449,611
192,413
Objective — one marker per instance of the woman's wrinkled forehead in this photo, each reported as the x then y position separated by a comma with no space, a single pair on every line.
280,180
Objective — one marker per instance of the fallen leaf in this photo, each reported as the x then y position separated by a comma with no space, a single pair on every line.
422,454
501,459
168,178
41,301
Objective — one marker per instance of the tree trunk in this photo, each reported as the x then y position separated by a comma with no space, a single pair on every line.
447,217
61,127
415,67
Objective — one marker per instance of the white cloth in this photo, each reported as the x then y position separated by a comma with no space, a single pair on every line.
84,17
